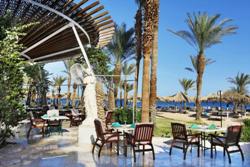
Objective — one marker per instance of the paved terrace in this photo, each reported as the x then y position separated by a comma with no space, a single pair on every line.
63,151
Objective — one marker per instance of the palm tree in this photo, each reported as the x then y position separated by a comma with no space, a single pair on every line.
147,50
127,70
138,56
186,84
68,64
194,61
240,82
121,48
154,61
204,33
58,81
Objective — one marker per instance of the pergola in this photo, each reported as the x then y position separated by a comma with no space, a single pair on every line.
63,27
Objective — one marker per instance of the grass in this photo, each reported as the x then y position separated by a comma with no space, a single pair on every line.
163,126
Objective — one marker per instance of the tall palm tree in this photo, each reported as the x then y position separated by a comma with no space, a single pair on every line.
147,50
121,48
68,64
194,61
154,61
127,70
240,83
186,84
138,56
58,81
205,31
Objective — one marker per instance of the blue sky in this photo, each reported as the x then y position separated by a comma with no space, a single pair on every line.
232,56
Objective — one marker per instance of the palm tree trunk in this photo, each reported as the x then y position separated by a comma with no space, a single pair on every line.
200,70
138,34
111,99
117,78
147,43
125,94
68,93
100,100
120,99
153,81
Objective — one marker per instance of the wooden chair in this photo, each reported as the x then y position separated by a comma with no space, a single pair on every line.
231,139
108,118
142,137
182,140
104,137
75,118
36,123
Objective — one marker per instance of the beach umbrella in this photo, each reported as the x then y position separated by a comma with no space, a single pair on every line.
180,97
160,98
232,96
213,97
168,98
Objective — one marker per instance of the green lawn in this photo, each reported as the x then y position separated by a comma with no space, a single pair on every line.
163,126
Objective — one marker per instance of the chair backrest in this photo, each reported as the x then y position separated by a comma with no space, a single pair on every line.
53,113
179,131
233,134
108,117
144,132
75,112
99,129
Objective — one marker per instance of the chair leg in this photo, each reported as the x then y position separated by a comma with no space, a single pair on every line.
134,153
28,134
153,151
118,148
99,153
242,155
211,151
198,149
143,148
111,144
93,149
185,151
228,154
170,151
224,151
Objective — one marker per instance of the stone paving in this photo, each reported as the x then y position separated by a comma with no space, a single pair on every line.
63,151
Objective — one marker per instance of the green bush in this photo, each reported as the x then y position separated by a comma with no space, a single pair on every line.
246,131
123,115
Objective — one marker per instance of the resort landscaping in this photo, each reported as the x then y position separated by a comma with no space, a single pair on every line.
80,88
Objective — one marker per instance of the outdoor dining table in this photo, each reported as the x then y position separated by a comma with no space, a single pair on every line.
127,128
54,118
205,130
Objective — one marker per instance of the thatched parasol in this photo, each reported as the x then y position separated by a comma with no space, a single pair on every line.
232,96
213,97
180,97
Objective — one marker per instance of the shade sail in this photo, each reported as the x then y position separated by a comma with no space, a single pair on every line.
54,37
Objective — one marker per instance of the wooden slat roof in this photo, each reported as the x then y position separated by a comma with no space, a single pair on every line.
89,14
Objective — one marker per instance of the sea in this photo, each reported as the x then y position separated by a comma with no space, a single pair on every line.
163,104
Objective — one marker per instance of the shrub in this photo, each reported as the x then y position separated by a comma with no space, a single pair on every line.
246,131
123,115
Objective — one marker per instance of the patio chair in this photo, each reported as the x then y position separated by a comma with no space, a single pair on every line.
231,139
36,123
104,137
182,140
55,126
142,137
75,118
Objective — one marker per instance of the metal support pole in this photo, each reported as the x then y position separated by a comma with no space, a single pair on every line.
219,92
82,48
